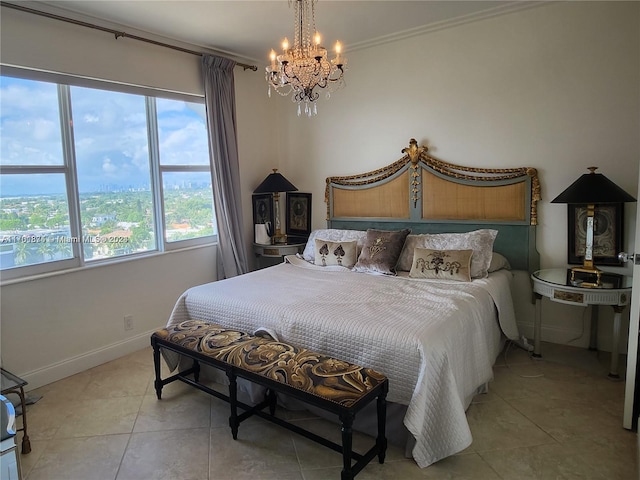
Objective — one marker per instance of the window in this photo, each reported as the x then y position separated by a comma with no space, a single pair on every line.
114,172
89,174
184,167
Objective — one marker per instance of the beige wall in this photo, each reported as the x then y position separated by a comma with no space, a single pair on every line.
555,87
63,324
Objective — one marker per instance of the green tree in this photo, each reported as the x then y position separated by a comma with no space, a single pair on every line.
37,219
21,253
56,221
46,250
8,224
140,237
63,249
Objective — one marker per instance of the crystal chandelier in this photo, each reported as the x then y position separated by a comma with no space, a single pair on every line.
303,67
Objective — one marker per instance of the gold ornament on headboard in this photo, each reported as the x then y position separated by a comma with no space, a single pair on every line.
414,152
415,183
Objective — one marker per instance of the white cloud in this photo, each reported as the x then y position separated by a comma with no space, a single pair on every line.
88,118
44,129
108,167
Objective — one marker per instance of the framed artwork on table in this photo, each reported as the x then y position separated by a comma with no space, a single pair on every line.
607,233
298,214
263,208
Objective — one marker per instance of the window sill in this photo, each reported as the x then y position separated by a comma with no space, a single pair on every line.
143,256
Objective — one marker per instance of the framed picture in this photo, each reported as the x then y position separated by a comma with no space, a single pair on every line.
298,214
263,208
607,233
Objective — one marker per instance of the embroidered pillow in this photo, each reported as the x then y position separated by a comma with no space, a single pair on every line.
381,251
336,253
332,235
442,264
480,241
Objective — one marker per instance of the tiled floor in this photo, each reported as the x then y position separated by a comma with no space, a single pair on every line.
556,418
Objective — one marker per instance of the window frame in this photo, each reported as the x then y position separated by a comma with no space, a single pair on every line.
69,170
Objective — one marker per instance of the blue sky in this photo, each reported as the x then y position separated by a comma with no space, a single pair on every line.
110,133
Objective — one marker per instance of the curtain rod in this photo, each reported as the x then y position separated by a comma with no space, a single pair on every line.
116,33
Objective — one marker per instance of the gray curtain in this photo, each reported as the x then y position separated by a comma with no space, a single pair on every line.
219,92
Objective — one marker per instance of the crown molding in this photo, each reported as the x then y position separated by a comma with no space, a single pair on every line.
506,8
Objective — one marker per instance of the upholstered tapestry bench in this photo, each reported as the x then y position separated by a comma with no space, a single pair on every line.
330,384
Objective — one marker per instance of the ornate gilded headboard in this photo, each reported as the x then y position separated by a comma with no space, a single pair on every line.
428,195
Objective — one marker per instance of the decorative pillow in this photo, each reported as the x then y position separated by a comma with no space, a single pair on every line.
381,251
442,264
498,262
480,241
332,235
336,253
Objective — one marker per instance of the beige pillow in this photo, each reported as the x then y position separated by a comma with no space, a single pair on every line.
498,262
442,264
336,253
480,241
380,251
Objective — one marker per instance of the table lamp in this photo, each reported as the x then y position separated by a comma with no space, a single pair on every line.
276,183
591,189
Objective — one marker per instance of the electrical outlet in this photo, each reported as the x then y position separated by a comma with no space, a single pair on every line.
128,322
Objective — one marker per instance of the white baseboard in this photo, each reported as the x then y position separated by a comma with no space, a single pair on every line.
80,363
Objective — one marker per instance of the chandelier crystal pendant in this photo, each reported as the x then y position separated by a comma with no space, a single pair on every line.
305,68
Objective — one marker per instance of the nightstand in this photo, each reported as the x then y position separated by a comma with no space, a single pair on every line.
269,255
555,284
9,461
11,383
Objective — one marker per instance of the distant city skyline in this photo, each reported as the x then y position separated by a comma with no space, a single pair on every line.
112,188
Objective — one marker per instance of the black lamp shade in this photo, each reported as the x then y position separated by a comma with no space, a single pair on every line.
593,188
274,183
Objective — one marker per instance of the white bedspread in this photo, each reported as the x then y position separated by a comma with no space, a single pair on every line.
435,341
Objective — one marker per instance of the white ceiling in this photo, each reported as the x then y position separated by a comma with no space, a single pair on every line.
249,29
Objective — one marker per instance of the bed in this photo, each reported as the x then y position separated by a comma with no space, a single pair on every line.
435,338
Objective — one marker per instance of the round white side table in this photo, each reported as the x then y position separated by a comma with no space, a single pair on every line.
555,285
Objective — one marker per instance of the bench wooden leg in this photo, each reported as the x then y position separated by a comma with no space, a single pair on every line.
381,441
196,370
347,445
156,365
272,398
233,401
